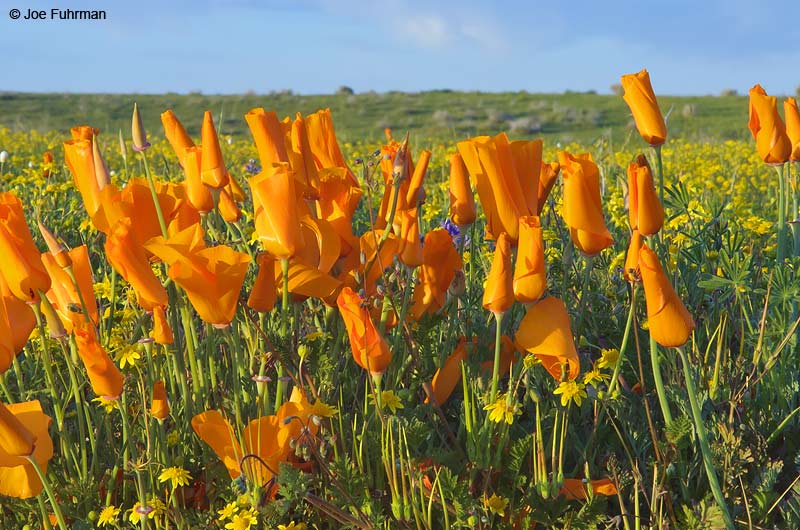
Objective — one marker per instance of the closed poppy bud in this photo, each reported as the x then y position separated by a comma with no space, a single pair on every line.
276,217
159,407
642,101
176,134
105,377
213,172
498,295
547,179
303,159
370,350
101,172
123,149
197,193
631,271
583,211
54,246
138,134
22,262
53,321
668,320
448,376
462,201
47,162
644,207
227,207
235,189
545,332
162,332
530,277
262,296
793,126
410,244
767,128
268,137
15,439
416,193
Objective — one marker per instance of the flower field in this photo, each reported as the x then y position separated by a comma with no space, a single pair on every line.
280,329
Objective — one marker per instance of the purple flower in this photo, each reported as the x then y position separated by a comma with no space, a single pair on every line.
251,167
455,233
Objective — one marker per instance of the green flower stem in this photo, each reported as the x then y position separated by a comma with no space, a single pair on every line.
702,440
77,395
587,273
781,214
111,307
498,335
152,185
660,169
46,485
624,346
198,381
659,382
285,301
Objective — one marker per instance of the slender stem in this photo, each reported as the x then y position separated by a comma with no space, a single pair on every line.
153,192
56,508
781,254
624,346
285,301
660,169
702,440
659,382
498,317
588,261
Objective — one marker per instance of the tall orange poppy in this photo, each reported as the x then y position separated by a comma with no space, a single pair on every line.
22,262
669,322
583,210
643,104
767,128
105,377
545,332
370,349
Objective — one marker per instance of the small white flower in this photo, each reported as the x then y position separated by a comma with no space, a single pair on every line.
30,165
3,157
112,172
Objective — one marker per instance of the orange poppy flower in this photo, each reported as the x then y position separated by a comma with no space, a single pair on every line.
792,126
374,262
306,281
547,179
162,332
530,277
18,478
228,208
440,263
631,271
370,349
575,489
416,193
583,211
83,132
105,377
766,125
22,262
268,137
448,376
498,294
668,320
138,134
337,203
410,253
212,277
7,351
644,207
197,193
63,294
462,201
643,104
79,157
324,146
129,259
213,172
159,408
21,322
276,216
302,159
264,293
545,332
176,134
527,157
493,167
212,427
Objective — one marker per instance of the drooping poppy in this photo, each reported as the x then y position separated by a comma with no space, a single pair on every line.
440,264
159,405
212,427
106,379
498,294
370,349
583,210
448,375
545,332
669,322
530,277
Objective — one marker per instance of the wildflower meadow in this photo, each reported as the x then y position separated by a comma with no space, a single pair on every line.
277,329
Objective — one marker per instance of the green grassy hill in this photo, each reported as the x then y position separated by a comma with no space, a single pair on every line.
441,115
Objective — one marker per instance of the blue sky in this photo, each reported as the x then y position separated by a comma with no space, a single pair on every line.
315,46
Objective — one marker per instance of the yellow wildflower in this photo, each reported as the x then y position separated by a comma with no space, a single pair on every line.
570,391
176,476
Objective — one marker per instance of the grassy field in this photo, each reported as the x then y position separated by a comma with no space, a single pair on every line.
432,116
